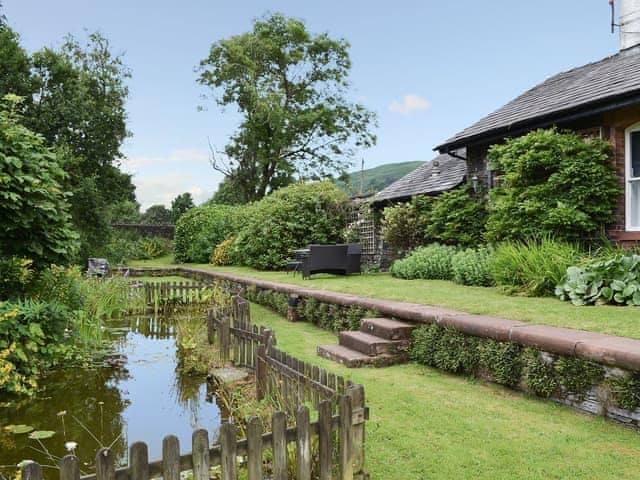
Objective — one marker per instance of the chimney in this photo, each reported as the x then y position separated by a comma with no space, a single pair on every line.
629,23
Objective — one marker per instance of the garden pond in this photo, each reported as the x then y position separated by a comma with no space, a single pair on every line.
139,394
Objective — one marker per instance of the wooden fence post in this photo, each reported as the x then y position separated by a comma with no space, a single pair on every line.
225,337
261,372
324,439
228,446
139,461
254,448
170,458
356,392
200,454
303,444
31,471
105,465
211,328
69,468
279,441
346,437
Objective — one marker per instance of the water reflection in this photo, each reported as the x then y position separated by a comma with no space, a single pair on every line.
137,396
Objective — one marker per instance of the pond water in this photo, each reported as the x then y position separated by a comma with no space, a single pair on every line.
140,396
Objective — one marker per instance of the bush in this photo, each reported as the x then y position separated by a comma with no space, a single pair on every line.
223,253
445,348
615,281
15,274
553,183
125,246
404,225
458,217
432,262
290,218
532,267
471,267
200,229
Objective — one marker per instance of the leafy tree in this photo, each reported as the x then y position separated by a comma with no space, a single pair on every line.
157,215
33,204
180,205
15,65
555,184
290,87
124,212
80,109
227,194
404,225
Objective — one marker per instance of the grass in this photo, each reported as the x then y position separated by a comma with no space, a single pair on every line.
612,320
426,424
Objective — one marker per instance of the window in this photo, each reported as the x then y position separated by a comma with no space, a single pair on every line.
632,177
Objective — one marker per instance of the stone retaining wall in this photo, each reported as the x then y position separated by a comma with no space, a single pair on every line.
620,356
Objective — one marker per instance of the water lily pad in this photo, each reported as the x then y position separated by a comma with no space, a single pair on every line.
41,434
17,429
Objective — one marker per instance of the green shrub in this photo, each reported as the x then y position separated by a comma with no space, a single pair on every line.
430,262
539,374
445,348
404,225
626,390
222,255
200,229
124,246
532,267
502,361
577,375
290,218
458,217
471,267
615,281
553,183
15,274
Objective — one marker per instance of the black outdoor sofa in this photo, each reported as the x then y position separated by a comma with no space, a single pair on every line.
341,259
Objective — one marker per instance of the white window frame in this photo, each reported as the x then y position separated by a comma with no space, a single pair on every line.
628,179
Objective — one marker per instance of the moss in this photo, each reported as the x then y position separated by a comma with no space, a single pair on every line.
502,361
445,348
539,374
577,375
626,391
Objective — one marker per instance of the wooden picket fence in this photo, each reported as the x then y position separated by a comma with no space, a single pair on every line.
289,380
225,452
186,292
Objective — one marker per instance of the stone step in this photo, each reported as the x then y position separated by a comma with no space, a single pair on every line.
370,344
387,328
353,359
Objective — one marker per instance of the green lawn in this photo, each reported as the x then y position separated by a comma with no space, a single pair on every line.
426,424
623,321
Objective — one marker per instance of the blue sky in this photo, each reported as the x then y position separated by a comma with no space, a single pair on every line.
428,68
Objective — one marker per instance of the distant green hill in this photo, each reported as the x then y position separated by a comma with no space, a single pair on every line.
377,178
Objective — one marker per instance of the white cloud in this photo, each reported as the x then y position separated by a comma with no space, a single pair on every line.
162,188
410,103
176,157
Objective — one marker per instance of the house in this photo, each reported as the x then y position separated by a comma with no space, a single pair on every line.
600,99
443,173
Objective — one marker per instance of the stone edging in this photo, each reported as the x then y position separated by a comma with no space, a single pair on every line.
611,350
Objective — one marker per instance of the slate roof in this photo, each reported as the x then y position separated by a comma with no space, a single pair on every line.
604,81
440,174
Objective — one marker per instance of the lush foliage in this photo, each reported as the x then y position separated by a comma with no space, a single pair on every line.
181,204
33,203
472,267
290,86
458,218
532,267
156,215
201,229
615,281
223,253
431,262
553,183
287,219
404,225
126,246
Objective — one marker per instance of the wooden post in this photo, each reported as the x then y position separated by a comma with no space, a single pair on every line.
225,337
303,444
139,461
228,449
200,454
105,465
346,437
279,429
69,468
324,439
356,392
31,471
261,372
170,458
211,328
254,448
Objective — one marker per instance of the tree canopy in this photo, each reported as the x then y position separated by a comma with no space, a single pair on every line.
290,87
157,215
180,205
